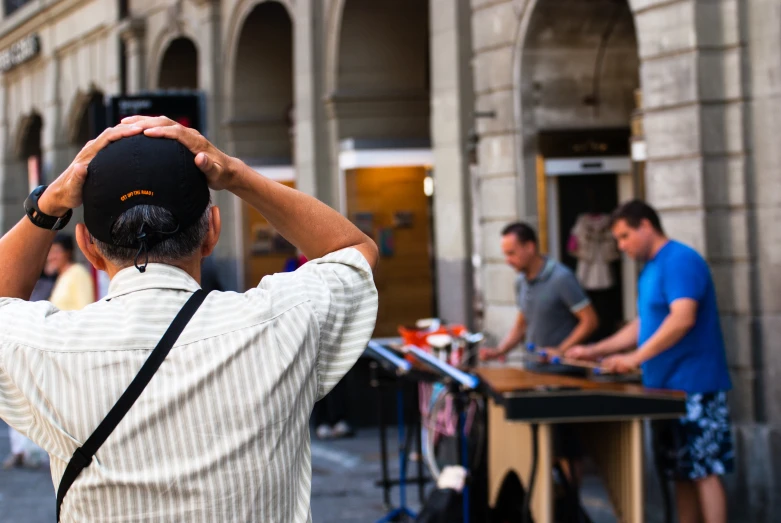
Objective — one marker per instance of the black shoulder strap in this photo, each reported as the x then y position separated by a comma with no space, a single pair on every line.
83,455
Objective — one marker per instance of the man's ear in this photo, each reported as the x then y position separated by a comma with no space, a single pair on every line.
88,248
215,226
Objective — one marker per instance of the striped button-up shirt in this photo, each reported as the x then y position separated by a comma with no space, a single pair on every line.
221,433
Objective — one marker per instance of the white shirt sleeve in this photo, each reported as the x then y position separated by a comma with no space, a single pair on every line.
341,291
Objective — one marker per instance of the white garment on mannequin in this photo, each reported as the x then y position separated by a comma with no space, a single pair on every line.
593,245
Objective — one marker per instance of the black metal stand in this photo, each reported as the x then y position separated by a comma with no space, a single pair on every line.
405,442
463,445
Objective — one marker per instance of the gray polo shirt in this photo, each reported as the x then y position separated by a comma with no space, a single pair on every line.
548,302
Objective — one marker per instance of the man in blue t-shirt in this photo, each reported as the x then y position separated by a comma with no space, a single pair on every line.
679,346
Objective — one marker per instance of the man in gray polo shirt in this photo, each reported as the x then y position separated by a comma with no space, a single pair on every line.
555,313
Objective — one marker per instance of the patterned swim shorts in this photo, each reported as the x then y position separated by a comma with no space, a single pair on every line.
700,443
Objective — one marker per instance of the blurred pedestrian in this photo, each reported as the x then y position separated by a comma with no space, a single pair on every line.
74,288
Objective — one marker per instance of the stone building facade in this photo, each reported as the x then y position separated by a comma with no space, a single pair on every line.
484,87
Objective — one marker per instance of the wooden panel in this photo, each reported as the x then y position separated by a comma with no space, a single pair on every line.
510,450
257,266
404,276
617,450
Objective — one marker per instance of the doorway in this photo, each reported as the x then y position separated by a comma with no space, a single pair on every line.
591,197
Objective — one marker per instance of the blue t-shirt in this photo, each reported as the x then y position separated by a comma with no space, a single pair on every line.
698,362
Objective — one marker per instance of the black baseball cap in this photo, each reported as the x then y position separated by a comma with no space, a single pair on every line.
139,170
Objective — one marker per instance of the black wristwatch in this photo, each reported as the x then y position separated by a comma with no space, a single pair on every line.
41,219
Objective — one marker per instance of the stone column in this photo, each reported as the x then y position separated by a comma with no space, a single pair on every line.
697,158
56,151
452,105
8,207
763,192
702,175
228,252
500,187
314,172
133,32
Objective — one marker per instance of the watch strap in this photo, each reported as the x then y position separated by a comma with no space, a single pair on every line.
41,219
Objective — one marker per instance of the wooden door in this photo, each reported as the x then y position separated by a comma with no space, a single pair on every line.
389,204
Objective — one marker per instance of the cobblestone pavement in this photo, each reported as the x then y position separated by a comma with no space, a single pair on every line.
343,485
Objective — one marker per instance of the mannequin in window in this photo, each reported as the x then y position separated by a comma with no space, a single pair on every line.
592,244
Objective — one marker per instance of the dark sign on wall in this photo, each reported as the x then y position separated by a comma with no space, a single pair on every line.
12,5
184,108
20,52
584,142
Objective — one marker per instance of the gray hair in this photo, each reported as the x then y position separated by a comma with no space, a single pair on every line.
171,250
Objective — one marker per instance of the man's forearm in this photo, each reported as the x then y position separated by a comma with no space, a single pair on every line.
304,221
624,339
512,340
668,334
578,335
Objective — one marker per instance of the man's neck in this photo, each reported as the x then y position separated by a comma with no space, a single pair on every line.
535,267
191,266
658,243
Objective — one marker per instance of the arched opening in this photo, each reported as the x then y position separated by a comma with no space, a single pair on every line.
260,128
30,150
179,66
92,120
383,85
579,87
381,104
24,170
263,85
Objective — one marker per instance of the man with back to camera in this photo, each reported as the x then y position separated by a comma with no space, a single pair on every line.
220,433
554,313
680,347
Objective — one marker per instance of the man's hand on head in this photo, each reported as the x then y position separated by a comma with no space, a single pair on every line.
65,192
215,164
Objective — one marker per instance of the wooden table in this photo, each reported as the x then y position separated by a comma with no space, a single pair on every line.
609,417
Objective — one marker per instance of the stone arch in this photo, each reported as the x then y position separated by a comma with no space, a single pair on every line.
28,137
531,30
86,117
380,67
235,26
162,44
332,31
16,181
179,65
261,91
576,74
